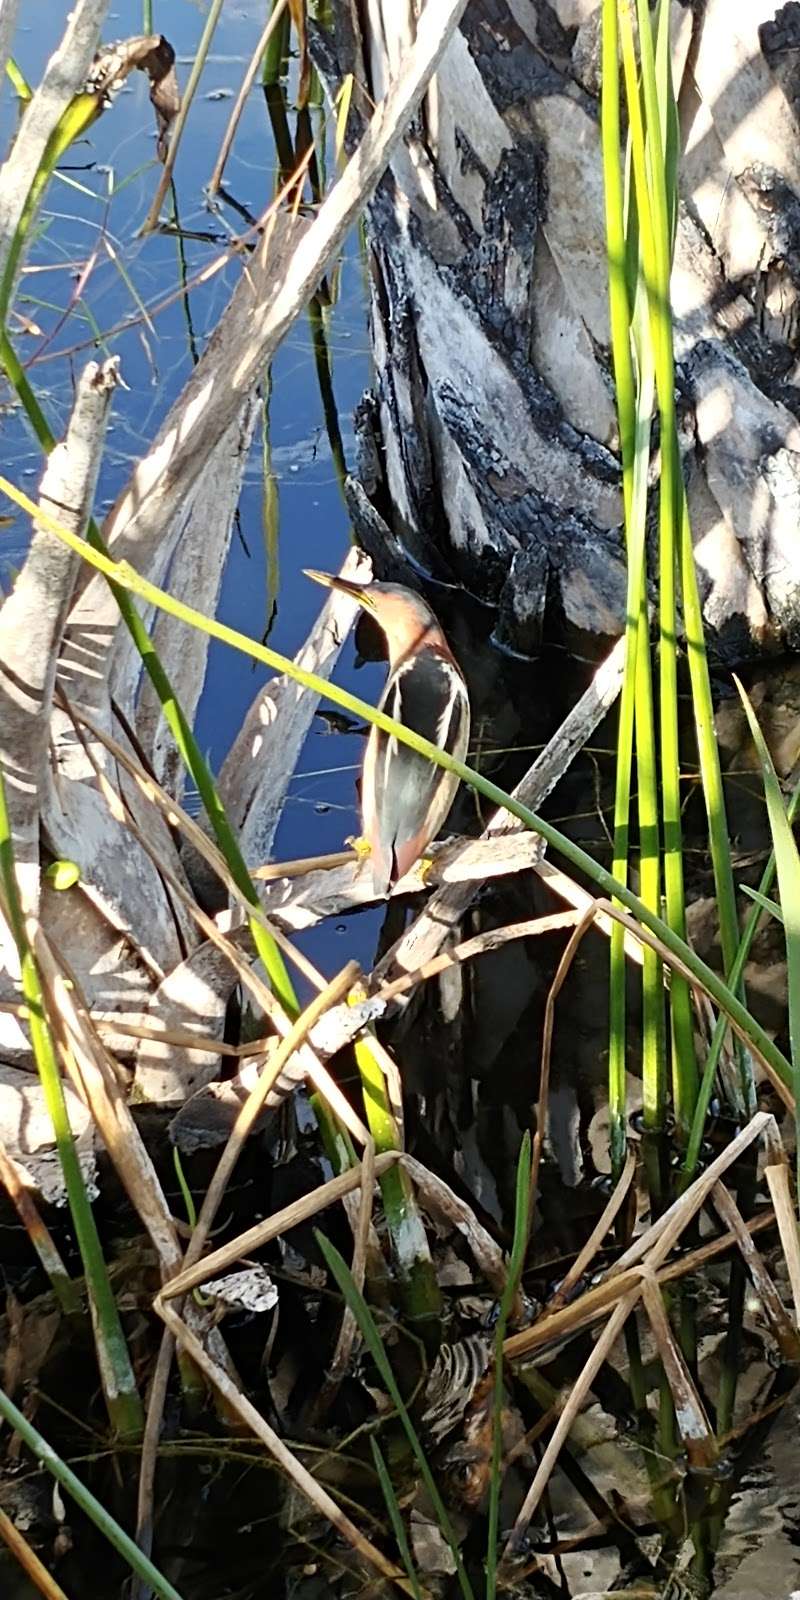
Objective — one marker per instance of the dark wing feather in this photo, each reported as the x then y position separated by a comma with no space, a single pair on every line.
427,695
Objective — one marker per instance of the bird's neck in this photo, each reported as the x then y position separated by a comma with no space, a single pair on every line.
410,641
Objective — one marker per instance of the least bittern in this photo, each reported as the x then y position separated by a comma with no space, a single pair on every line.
404,798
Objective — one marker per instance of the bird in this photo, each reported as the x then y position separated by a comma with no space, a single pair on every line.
405,799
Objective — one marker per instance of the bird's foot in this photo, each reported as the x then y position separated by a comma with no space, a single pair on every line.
357,994
360,845
425,865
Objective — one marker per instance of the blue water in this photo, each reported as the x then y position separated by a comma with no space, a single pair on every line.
106,186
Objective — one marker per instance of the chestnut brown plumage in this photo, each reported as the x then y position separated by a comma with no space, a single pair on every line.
404,798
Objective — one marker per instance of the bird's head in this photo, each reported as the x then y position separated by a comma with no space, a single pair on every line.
406,619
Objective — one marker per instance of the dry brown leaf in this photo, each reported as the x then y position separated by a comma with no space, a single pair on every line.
150,53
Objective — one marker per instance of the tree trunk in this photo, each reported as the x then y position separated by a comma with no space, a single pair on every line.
489,445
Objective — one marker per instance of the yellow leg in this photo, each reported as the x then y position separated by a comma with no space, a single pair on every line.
425,864
362,846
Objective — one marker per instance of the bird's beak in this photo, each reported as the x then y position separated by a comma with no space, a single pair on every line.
356,591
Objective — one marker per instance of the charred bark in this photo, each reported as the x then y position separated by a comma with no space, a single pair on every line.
488,447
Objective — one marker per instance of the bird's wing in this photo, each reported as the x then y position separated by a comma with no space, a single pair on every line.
426,694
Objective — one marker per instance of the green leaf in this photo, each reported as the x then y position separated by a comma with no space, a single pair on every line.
63,874
763,901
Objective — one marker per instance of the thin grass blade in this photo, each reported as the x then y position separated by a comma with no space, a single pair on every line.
396,1519
787,864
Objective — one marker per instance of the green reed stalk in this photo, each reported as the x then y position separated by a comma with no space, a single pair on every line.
277,51
620,320
699,676
654,1080
659,160
411,1255
634,394
116,1373
647,158
663,136
654,1084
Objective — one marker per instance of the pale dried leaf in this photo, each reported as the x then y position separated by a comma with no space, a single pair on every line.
252,1290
